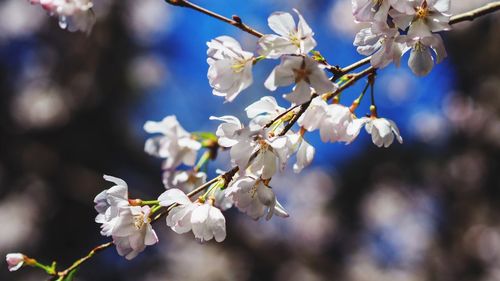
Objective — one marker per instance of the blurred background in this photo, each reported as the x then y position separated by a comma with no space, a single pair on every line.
73,106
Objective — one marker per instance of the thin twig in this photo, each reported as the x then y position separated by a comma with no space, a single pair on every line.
236,21
79,262
472,15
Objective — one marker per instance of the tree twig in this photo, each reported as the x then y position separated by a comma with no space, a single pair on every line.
472,15
236,21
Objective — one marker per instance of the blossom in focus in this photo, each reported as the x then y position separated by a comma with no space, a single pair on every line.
230,68
175,144
427,16
254,197
291,39
205,220
133,231
109,202
264,149
229,131
183,180
73,15
305,72
421,60
380,42
14,261
332,120
377,10
382,130
263,111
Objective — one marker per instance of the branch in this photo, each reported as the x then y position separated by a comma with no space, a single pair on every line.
472,15
75,265
236,21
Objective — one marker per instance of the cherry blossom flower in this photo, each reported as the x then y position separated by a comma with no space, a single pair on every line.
377,10
205,220
259,146
305,154
427,16
73,14
229,131
184,180
14,261
380,42
421,60
230,68
291,39
382,130
254,197
133,231
208,222
263,111
305,72
109,202
332,120
175,144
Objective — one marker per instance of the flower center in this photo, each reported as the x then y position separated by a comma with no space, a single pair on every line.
139,221
376,5
238,66
295,39
302,73
422,11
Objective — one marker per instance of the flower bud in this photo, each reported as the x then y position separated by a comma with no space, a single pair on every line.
15,261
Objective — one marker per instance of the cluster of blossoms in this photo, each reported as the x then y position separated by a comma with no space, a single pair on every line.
230,72
398,26
264,145
72,14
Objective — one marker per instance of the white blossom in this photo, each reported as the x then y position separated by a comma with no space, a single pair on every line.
263,111
305,73
380,42
230,68
208,222
382,130
109,202
427,16
305,155
254,197
377,10
73,14
332,120
14,261
183,180
175,144
229,131
259,151
291,38
421,60
133,231
205,220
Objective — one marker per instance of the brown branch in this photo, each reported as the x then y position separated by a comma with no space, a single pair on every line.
472,15
236,21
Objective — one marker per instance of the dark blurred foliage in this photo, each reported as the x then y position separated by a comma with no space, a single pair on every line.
417,211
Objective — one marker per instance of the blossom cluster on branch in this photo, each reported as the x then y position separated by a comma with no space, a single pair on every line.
266,143
399,26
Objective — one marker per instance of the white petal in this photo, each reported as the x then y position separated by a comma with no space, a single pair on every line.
282,23
172,196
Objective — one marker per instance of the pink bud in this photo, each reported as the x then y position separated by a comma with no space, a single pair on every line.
14,261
